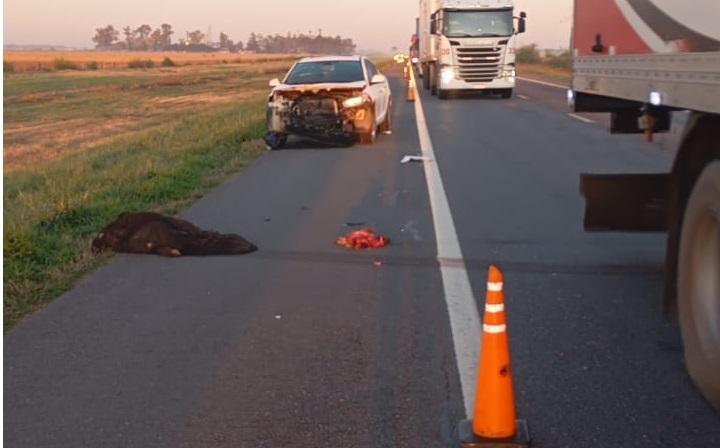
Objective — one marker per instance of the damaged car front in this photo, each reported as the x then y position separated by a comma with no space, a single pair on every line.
325,99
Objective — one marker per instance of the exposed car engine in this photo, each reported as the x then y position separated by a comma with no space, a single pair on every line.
319,114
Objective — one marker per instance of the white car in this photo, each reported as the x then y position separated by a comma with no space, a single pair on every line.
331,98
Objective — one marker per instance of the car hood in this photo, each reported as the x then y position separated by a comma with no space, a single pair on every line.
358,85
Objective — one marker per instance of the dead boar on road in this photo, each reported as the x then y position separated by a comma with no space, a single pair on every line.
153,233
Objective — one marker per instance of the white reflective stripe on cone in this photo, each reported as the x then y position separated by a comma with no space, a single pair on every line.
494,308
495,286
494,329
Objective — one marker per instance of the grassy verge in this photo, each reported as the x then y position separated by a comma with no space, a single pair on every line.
171,156
545,72
50,216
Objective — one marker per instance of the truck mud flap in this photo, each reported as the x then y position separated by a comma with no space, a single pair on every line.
626,202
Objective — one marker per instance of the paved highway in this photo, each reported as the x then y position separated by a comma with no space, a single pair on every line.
307,344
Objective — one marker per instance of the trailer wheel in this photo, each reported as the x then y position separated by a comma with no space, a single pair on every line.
433,75
699,283
425,77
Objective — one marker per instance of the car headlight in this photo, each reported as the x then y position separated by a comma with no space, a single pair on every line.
415,60
447,74
354,101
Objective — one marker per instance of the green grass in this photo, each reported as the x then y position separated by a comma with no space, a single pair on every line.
50,216
53,208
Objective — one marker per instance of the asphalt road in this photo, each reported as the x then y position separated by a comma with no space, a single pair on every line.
307,344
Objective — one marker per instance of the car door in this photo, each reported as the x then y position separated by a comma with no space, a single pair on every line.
378,92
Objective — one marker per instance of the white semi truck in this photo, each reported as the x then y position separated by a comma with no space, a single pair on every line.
468,45
643,61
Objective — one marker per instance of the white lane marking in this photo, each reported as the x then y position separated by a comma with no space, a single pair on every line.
522,97
545,83
462,308
578,117
494,329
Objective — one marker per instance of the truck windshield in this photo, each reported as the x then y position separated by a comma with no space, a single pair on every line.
325,71
478,23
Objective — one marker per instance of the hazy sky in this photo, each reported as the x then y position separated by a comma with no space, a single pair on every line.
373,24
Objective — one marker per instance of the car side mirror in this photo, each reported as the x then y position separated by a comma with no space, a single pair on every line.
378,79
274,82
521,23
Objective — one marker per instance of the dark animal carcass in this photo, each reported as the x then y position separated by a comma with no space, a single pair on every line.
153,233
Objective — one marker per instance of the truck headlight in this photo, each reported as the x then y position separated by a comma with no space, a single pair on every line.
447,74
353,102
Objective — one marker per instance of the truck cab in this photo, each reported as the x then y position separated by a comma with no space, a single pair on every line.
468,45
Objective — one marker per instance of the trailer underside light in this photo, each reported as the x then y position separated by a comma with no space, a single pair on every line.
656,98
571,97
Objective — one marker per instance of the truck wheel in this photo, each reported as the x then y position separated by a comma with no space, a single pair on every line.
443,94
433,75
699,283
506,93
425,77
368,138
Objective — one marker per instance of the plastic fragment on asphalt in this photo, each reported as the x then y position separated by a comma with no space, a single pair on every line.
362,239
408,159
377,263
278,316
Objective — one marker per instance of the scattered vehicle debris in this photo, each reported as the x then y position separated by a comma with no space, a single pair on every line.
334,99
408,159
363,239
153,233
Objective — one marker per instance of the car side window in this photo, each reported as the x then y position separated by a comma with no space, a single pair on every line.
371,70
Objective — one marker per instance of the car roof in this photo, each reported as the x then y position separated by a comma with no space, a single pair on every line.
330,58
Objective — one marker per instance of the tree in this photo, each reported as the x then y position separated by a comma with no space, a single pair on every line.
129,38
105,37
143,34
155,39
252,43
196,37
225,41
239,46
165,39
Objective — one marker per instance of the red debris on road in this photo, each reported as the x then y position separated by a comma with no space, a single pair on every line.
363,239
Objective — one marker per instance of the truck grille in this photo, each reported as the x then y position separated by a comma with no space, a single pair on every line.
479,64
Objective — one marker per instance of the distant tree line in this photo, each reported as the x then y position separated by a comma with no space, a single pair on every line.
144,38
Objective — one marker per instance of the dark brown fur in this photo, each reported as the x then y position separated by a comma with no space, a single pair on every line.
153,233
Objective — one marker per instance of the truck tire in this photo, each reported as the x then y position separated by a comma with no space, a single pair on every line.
274,140
433,75
506,93
699,283
425,77
443,94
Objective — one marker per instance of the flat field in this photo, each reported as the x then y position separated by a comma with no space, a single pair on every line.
82,146
24,61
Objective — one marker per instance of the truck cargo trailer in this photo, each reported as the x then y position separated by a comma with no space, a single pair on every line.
643,60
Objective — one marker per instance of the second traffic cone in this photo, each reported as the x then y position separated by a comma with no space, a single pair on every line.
493,422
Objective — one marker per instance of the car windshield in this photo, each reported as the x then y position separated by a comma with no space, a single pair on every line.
325,71
478,23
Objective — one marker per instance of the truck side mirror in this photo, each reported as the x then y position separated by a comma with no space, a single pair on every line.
433,24
521,23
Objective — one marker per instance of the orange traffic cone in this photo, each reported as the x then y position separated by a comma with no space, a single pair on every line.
411,85
493,423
